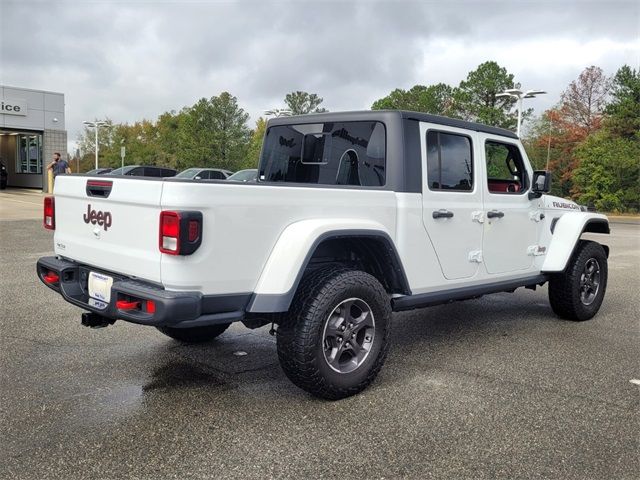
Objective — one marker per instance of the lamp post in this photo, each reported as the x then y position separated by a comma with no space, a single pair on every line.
278,112
519,95
97,124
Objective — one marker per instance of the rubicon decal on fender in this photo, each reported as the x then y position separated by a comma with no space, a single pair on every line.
97,217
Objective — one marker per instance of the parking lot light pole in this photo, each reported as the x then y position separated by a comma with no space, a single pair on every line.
519,95
97,124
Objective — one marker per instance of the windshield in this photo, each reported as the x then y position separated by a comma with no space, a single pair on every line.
243,175
122,170
188,173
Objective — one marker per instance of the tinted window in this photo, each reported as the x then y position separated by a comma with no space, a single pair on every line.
122,170
168,172
332,153
137,171
217,175
449,162
151,172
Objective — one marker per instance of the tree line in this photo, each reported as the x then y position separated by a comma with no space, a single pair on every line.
590,139
213,132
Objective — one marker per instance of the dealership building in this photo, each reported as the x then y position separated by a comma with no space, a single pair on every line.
31,130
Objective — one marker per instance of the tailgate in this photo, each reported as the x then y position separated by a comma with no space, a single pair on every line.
118,233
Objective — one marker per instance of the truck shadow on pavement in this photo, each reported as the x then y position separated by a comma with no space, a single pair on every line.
423,337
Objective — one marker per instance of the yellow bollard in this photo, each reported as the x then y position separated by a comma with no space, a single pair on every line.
49,181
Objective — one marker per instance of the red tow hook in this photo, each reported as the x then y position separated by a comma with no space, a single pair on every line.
124,305
51,278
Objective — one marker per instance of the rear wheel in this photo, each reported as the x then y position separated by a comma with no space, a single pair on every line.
334,339
195,334
578,292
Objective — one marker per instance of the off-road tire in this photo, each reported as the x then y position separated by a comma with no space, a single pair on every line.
301,331
195,334
565,287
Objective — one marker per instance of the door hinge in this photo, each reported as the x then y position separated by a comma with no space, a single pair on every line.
536,216
475,256
536,250
477,216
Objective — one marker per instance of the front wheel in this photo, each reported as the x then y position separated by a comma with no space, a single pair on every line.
334,339
195,334
577,293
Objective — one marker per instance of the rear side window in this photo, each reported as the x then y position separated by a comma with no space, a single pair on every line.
152,172
331,153
216,175
449,162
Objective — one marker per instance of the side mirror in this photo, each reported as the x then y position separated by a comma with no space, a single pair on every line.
197,178
541,183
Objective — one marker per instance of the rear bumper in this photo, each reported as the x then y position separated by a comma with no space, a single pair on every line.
174,309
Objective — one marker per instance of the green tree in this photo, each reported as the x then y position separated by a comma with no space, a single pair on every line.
434,99
608,175
213,133
624,110
255,144
475,98
301,103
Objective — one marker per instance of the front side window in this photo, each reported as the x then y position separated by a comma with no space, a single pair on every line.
449,162
505,168
331,153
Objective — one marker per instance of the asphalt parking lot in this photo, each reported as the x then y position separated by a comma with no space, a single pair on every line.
491,388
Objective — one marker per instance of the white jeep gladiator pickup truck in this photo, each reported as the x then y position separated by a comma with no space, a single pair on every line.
353,216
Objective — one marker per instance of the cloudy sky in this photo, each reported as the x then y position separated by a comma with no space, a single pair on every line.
128,60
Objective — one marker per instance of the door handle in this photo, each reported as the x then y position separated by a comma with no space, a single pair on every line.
442,214
495,214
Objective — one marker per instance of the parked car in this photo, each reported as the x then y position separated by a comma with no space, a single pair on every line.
144,171
249,175
355,215
99,171
204,174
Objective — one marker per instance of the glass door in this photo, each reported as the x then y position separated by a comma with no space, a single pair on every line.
29,153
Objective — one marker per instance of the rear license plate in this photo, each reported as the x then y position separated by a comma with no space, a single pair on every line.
100,286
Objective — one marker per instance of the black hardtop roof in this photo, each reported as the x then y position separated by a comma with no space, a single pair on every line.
389,115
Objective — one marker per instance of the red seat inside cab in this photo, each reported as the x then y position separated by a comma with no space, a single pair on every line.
503,186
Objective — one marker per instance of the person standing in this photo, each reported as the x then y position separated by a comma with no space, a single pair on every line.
58,166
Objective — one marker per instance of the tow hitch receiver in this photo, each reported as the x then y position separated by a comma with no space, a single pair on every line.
93,320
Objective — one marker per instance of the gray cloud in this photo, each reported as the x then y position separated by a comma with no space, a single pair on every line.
129,60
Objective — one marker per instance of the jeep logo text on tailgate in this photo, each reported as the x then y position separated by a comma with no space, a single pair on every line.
101,218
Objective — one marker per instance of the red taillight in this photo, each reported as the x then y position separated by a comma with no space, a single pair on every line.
151,306
51,277
169,232
180,232
127,305
49,213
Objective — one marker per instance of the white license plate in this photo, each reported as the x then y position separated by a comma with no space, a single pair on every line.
100,286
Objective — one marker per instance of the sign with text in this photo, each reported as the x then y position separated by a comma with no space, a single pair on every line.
13,106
